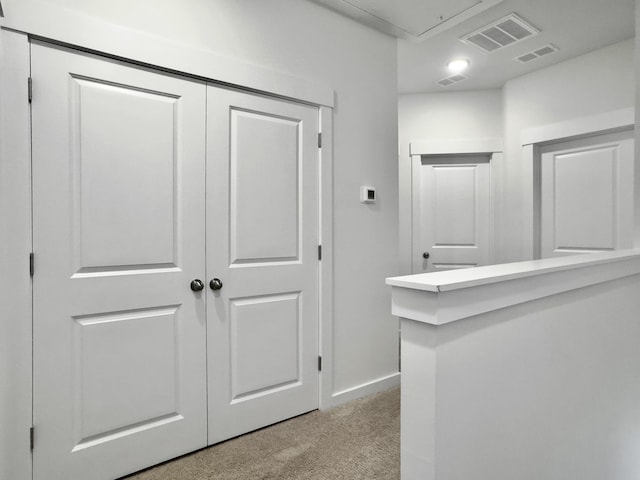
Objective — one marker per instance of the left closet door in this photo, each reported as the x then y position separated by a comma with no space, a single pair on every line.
118,236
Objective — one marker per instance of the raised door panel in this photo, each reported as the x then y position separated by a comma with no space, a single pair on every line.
262,183
268,328
265,187
118,212
586,196
125,172
120,392
454,205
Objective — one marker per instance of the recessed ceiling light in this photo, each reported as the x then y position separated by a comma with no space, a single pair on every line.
458,65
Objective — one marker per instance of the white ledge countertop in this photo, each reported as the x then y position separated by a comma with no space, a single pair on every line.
442,297
471,277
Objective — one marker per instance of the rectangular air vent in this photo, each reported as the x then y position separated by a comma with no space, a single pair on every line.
537,53
450,80
501,33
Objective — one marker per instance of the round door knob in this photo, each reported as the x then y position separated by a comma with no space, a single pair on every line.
425,255
197,285
215,284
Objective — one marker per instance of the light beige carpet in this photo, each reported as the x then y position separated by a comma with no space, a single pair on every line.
358,440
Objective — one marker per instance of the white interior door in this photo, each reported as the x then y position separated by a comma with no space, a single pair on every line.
262,237
118,233
587,195
452,217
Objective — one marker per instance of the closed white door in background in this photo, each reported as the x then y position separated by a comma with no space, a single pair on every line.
453,219
118,234
262,192
587,195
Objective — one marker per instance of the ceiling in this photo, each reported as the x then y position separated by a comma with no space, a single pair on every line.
429,33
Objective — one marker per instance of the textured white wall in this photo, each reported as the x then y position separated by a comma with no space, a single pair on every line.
455,115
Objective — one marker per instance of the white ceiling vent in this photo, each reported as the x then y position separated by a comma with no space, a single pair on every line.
501,33
537,53
451,79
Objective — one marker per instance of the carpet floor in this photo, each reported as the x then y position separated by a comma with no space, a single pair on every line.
356,441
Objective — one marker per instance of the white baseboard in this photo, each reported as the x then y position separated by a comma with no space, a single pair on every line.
369,388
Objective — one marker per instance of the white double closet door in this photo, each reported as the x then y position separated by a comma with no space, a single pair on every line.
147,186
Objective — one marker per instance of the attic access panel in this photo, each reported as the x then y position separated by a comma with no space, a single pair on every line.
414,20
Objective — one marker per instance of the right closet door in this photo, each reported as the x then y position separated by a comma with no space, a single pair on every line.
262,233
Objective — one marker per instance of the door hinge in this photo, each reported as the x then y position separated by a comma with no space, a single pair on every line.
30,89
31,437
319,363
32,265
319,140
319,252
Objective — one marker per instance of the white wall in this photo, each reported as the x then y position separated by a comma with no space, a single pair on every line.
454,115
304,40
594,83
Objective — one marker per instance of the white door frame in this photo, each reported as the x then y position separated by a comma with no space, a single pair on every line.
469,146
533,138
15,199
15,237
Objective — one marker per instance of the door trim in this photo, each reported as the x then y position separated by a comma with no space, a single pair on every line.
16,411
533,138
73,28
583,126
464,146
448,146
325,282
15,236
